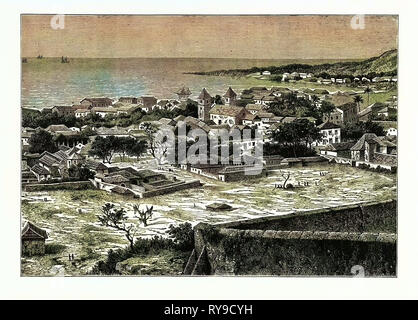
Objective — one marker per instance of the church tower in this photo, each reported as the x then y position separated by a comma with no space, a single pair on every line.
204,103
230,96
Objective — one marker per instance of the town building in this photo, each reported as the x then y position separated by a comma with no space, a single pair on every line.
230,96
341,149
33,239
147,103
130,100
104,111
375,152
230,115
368,145
96,102
204,105
331,133
63,110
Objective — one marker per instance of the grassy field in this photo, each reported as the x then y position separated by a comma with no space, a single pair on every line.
373,97
70,217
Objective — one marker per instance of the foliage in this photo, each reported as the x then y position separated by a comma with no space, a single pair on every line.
287,151
354,131
385,64
182,241
43,119
80,173
158,148
326,108
104,148
183,235
289,105
116,219
296,133
144,215
217,99
41,141
138,148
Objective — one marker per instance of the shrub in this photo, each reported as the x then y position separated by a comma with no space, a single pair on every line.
182,240
183,236
54,248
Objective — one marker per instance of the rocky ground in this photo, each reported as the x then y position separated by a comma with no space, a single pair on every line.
70,217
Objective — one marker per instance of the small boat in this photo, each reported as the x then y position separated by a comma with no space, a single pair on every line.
219,207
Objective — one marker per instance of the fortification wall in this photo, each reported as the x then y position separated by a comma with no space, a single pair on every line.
332,241
367,217
173,188
72,185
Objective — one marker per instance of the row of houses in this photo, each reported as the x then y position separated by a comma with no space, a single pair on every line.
370,151
49,166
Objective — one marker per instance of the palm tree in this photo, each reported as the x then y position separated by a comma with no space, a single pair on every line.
315,99
358,99
368,90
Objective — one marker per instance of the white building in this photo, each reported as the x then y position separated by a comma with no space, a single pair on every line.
331,133
392,132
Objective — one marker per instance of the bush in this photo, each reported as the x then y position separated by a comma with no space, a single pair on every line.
182,240
183,236
54,248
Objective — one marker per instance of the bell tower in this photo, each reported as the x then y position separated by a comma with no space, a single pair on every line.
204,103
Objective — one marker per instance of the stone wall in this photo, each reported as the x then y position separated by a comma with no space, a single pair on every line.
333,241
368,217
73,185
172,188
32,247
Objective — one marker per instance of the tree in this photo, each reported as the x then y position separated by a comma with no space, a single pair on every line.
191,109
138,149
218,99
144,215
104,148
358,100
124,145
354,131
326,109
157,148
80,173
368,91
116,219
42,141
296,133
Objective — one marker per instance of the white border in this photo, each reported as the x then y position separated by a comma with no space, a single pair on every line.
12,286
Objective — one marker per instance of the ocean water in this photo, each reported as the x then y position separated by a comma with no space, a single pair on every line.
47,82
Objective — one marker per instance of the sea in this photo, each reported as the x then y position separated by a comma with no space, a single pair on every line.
47,82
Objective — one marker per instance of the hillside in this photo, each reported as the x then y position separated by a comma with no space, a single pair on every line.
385,64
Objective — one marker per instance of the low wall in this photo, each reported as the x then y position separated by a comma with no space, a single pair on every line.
72,185
367,217
169,189
329,241
256,252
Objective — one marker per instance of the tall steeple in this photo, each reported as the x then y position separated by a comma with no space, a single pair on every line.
230,96
204,103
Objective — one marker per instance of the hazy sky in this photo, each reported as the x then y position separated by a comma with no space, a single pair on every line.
261,37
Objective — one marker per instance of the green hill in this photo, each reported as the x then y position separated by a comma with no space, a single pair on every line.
385,64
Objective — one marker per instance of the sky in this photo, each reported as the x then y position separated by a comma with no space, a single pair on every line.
252,37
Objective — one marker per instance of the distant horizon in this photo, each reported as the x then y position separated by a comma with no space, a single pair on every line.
220,58
273,37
